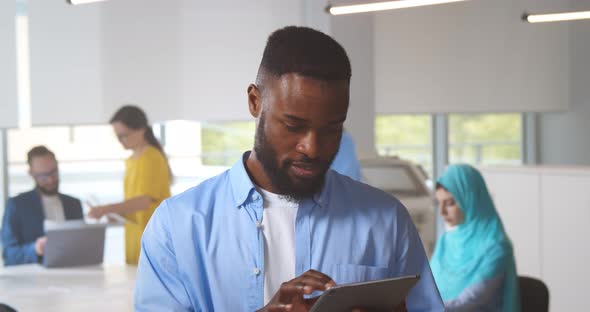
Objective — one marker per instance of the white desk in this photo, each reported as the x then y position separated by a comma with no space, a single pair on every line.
34,288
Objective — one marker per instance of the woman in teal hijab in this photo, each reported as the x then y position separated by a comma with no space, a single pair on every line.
473,263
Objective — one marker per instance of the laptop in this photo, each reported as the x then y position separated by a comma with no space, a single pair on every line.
73,243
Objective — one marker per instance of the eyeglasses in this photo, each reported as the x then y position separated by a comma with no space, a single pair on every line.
124,136
45,176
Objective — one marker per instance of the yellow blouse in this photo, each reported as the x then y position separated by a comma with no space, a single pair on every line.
148,175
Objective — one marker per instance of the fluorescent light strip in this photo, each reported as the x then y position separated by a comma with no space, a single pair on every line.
76,2
558,17
381,6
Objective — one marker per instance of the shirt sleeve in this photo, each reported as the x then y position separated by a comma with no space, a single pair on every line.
158,285
14,251
411,260
476,296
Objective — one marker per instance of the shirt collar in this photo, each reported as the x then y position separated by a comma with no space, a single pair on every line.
240,181
243,187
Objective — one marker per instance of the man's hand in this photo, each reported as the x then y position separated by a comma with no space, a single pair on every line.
40,245
290,295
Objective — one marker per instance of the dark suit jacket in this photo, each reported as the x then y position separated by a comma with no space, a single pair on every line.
23,224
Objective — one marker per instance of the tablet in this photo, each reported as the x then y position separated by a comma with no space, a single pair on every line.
379,295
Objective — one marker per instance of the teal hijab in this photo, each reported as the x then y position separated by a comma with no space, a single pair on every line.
478,249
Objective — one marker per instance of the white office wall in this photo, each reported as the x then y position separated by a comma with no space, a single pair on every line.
178,59
8,101
566,228
474,56
185,59
221,48
545,212
520,215
315,15
355,34
65,63
563,135
141,59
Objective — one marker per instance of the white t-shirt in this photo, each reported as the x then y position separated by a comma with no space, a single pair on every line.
53,208
278,227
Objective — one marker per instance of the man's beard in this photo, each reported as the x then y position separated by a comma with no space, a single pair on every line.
46,191
294,188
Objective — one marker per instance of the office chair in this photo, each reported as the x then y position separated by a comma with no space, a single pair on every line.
534,295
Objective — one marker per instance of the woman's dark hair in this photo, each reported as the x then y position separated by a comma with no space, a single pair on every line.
135,118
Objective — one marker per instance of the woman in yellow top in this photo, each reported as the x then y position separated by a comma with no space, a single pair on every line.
147,177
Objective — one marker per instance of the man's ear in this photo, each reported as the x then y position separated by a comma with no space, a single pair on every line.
254,101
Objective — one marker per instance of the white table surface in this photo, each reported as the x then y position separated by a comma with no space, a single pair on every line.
98,288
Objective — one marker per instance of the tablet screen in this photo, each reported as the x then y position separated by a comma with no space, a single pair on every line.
379,295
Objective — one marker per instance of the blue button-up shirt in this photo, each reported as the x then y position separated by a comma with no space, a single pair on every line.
203,251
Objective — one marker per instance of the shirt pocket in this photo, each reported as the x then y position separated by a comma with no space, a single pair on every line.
354,273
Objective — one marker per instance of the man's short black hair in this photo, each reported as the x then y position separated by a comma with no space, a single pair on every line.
306,52
38,151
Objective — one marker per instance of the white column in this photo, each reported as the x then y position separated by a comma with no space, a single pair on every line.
440,157
8,101
3,169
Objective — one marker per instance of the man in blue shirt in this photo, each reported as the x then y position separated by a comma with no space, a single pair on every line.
279,226
346,161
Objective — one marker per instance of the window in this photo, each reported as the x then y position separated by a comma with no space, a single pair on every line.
92,163
224,142
406,136
200,150
182,143
485,139
91,160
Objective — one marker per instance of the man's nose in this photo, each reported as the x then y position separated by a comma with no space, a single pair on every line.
52,179
309,145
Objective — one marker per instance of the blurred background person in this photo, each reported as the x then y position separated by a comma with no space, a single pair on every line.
473,262
23,233
147,177
346,162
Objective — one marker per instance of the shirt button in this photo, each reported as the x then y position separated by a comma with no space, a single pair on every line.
259,225
255,197
256,271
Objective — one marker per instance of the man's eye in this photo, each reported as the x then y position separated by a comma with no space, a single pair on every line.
291,128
